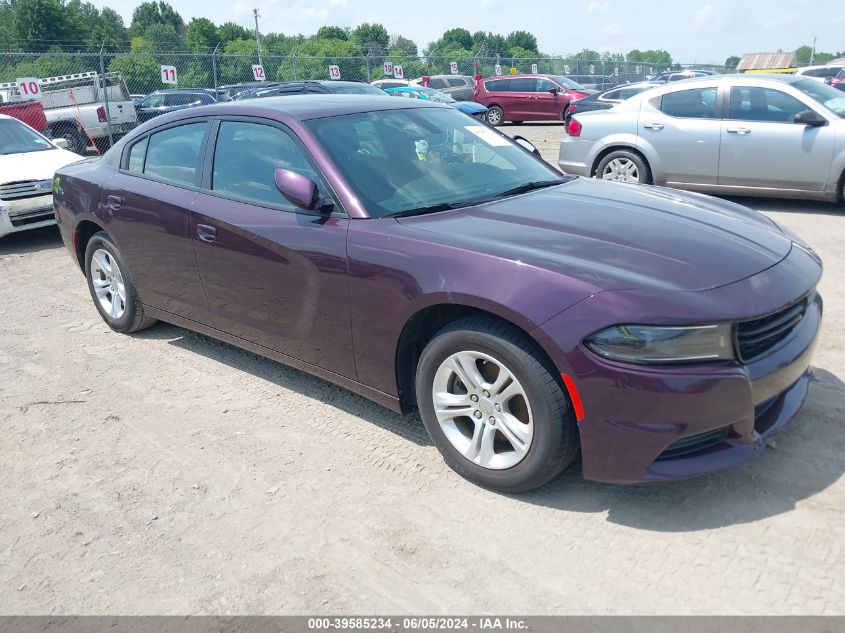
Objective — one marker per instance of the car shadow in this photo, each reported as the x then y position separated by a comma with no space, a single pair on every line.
805,460
30,241
409,427
785,205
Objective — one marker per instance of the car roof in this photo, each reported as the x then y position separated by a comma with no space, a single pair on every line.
168,91
310,106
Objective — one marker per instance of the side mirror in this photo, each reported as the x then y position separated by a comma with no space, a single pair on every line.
526,144
299,189
811,118
828,80
554,90
61,143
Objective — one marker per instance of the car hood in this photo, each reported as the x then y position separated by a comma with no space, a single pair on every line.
34,165
618,237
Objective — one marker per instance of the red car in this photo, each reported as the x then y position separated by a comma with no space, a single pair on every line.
519,98
30,112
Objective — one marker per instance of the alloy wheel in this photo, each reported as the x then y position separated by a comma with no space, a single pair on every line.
621,170
108,283
483,410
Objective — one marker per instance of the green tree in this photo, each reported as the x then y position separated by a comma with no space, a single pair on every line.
162,38
732,61
522,39
109,29
38,24
803,55
405,45
148,14
201,35
367,34
229,31
281,44
330,51
332,33
142,73
458,36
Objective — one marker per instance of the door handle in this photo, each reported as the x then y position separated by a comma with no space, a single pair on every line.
206,233
742,131
114,202
654,126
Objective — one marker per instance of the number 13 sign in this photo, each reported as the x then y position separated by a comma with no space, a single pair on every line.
334,72
168,74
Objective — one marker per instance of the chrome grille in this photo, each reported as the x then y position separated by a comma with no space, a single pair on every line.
756,337
25,189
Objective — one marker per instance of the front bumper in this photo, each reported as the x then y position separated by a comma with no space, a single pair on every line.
29,213
637,417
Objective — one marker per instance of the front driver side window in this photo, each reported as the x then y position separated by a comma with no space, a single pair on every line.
246,158
764,104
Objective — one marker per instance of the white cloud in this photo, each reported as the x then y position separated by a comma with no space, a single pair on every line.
614,29
707,16
598,6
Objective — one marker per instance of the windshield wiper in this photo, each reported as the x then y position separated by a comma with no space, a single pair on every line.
529,186
434,208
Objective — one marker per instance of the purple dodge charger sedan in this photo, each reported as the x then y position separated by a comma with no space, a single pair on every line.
424,260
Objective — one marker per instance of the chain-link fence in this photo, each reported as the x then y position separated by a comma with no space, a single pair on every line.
143,73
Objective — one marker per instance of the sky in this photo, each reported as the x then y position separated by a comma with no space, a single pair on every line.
702,31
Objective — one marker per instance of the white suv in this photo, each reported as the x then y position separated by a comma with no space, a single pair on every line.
821,73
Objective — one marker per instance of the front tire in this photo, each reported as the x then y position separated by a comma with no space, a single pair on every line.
624,166
111,287
495,116
494,406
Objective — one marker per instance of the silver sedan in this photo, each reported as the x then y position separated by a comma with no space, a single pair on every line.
762,135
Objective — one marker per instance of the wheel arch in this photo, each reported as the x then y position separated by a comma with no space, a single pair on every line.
82,234
621,146
424,324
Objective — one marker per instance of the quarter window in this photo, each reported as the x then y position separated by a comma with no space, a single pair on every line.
497,85
136,155
246,158
173,154
699,103
764,104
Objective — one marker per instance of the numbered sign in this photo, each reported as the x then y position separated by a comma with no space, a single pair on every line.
533,69
334,72
498,70
168,74
398,73
566,69
453,68
258,72
639,69
592,69
388,68
29,87
616,71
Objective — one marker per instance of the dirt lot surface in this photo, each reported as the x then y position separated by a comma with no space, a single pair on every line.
167,473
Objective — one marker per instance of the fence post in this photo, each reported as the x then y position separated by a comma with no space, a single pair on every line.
106,92
214,68
293,63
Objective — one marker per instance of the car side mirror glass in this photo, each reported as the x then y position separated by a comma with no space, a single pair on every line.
526,144
61,143
554,91
810,117
299,189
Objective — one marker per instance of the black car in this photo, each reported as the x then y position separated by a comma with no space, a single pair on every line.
313,86
596,82
231,91
608,98
162,101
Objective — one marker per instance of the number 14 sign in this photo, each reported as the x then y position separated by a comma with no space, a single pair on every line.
168,74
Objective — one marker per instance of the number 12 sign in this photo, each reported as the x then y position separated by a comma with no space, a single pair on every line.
258,72
168,74
29,87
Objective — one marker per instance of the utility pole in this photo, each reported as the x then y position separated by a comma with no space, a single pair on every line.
813,54
257,36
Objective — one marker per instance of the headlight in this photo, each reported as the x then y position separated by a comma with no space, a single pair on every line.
659,344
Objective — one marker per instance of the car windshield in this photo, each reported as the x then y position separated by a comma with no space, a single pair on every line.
152,101
356,89
417,160
435,95
17,138
567,82
829,97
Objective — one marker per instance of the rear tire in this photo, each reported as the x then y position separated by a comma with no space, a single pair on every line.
77,142
111,287
624,166
495,116
507,424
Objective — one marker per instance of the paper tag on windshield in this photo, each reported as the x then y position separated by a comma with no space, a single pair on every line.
487,135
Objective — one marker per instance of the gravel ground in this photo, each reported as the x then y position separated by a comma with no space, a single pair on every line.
167,473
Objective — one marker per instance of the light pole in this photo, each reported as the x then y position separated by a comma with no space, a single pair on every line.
813,53
257,37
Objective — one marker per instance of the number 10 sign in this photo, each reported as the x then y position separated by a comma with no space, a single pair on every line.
168,74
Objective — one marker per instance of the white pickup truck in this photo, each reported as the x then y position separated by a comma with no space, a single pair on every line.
75,107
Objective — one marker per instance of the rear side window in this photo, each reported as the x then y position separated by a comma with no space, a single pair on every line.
246,158
136,155
522,84
173,154
822,72
698,103
497,85
437,83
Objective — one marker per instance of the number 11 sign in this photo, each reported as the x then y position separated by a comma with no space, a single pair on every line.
168,74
